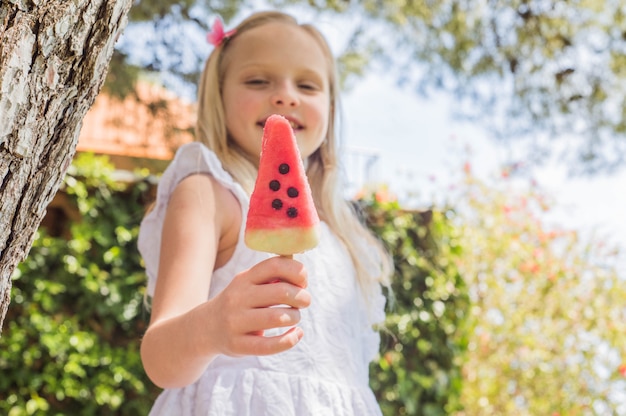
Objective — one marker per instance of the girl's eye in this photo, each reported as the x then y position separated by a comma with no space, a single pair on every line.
308,86
256,82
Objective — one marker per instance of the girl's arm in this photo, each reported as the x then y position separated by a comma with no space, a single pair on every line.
186,331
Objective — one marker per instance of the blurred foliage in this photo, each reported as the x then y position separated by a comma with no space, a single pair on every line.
71,345
425,334
122,77
71,341
547,69
547,315
494,312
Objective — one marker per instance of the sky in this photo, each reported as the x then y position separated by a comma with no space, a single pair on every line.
419,145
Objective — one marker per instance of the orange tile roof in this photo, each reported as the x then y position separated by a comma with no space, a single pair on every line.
151,127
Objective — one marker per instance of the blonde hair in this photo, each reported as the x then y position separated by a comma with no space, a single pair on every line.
322,166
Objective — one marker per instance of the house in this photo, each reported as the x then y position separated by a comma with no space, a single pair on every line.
139,132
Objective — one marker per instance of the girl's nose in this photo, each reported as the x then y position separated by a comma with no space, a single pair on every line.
285,96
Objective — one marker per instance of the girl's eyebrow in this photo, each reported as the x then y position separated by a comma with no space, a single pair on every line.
272,65
304,72
312,72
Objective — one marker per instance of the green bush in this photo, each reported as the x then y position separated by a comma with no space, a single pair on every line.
71,338
425,335
70,342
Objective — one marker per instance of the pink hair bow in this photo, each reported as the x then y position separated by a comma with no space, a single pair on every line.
217,35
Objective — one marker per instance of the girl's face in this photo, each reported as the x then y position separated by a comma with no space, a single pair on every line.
276,68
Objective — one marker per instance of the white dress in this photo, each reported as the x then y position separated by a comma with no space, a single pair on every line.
326,373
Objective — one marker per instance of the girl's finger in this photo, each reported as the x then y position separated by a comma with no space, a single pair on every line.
281,268
268,318
259,345
279,293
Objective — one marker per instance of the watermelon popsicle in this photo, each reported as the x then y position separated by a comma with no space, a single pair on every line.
282,218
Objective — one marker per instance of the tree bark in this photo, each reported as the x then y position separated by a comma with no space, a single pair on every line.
54,55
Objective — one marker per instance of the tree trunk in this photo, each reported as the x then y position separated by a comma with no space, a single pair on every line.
53,60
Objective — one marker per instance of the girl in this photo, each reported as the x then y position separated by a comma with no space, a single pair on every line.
216,342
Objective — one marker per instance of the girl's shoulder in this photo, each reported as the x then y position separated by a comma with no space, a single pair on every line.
196,158
192,159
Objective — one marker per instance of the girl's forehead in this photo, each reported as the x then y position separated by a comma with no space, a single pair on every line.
276,32
277,42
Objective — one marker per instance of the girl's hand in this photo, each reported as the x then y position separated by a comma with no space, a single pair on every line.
246,307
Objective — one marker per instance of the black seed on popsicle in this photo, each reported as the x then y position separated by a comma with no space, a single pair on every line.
292,192
277,204
283,168
275,185
292,212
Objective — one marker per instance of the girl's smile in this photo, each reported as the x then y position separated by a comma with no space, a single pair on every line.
295,124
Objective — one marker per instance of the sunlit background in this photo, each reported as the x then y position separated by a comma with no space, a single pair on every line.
495,309
419,148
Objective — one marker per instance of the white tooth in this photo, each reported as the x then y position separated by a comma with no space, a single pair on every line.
293,125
